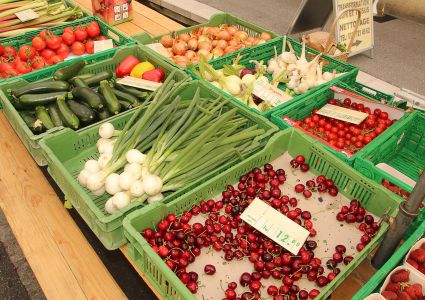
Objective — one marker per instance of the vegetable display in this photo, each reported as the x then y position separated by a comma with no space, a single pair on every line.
49,49
169,142
48,14
73,100
212,42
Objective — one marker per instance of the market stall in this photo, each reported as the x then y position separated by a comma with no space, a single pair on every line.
170,144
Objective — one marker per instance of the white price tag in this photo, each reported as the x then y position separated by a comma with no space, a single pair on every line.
103,45
26,15
275,225
139,83
342,113
158,47
267,92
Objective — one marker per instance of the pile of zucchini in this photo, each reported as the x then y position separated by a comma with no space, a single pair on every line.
73,100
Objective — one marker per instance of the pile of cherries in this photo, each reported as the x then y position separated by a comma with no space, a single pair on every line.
179,241
344,135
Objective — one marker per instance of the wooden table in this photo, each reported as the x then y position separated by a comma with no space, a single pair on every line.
64,263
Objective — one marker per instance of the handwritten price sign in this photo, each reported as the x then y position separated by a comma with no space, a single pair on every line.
343,114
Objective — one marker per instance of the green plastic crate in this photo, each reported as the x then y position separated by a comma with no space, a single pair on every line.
373,93
118,38
375,283
67,151
352,184
70,3
303,108
266,51
403,150
101,62
215,20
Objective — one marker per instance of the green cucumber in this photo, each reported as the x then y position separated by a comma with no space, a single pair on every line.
41,87
131,90
32,100
32,122
86,115
125,104
55,114
70,71
103,113
96,79
126,97
111,100
89,96
79,82
71,120
44,117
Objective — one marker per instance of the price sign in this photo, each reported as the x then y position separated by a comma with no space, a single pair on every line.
342,113
26,15
345,27
139,83
158,47
102,45
267,92
275,225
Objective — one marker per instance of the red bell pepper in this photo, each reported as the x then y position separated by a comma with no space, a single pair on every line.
126,65
156,75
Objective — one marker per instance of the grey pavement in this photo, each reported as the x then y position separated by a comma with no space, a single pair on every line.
399,53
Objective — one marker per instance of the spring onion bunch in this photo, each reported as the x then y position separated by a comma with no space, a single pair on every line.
169,143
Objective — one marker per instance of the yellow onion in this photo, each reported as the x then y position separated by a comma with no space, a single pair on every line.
265,36
179,48
166,41
182,61
217,52
192,44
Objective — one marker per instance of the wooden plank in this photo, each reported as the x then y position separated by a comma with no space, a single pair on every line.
148,25
62,260
156,17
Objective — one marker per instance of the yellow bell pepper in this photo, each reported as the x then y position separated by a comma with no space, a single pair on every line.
141,68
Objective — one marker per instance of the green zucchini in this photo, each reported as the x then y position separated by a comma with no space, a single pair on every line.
55,114
84,76
79,82
89,96
44,117
103,113
96,79
41,87
131,90
126,97
125,104
32,100
32,122
71,120
85,114
70,71
111,100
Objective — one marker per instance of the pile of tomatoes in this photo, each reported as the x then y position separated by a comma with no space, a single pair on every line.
343,135
49,49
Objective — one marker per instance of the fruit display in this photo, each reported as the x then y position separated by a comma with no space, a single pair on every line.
400,285
217,254
49,48
211,42
75,101
416,256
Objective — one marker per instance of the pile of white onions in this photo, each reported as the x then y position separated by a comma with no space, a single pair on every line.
211,42
132,182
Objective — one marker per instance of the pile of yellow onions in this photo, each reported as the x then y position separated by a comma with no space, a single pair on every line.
212,42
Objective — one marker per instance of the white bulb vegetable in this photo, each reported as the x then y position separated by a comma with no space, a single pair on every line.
136,189
126,180
112,184
134,156
96,181
135,169
92,166
99,192
155,198
152,184
104,159
121,200
83,176
110,206
107,130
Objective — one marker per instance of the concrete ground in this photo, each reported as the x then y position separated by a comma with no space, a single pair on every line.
399,45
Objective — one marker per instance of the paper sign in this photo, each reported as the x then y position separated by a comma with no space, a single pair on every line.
269,93
275,225
158,47
102,45
139,83
26,15
342,113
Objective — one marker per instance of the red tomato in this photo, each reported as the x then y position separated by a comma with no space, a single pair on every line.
45,33
78,48
23,67
90,47
55,59
4,66
1,49
68,29
26,52
63,51
38,43
53,41
93,29
10,73
102,37
9,52
47,53
68,37
38,62
80,34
